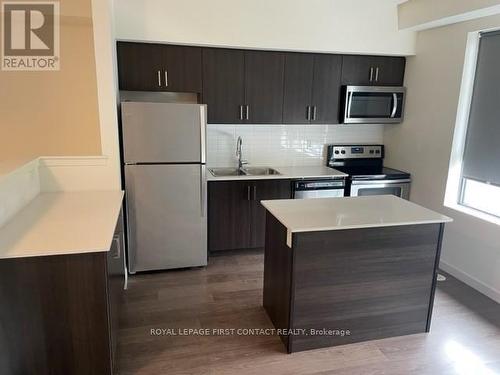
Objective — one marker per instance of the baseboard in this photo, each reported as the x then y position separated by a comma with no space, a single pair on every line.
471,281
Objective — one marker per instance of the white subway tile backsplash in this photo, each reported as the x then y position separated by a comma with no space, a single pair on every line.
283,145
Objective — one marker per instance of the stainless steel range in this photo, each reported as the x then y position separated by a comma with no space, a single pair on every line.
367,174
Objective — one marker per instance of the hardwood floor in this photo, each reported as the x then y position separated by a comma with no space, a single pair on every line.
464,336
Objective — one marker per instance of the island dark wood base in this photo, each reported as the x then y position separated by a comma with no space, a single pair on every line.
361,284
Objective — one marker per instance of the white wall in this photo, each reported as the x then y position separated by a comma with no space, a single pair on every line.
423,14
349,26
70,173
283,145
422,145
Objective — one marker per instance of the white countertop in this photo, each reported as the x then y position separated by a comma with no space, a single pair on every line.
310,215
62,223
286,173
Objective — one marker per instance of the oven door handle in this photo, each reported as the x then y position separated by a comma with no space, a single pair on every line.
380,182
394,105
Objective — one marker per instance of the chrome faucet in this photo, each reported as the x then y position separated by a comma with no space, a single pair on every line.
241,162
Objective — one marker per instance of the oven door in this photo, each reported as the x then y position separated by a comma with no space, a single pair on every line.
371,104
399,188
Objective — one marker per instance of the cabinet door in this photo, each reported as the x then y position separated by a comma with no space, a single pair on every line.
264,190
264,78
182,69
297,88
391,71
357,70
229,209
373,70
140,66
326,89
223,85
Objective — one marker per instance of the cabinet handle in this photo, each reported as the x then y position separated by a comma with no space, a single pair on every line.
376,74
255,192
241,112
247,112
159,78
314,113
117,254
166,78
308,113
248,193
371,74
203,190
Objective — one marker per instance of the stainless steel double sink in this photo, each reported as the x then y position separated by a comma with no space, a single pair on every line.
245,171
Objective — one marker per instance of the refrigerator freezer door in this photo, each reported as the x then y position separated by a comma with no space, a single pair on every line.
163,132
166,213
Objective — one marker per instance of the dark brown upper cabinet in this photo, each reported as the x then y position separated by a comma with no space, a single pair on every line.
298,88
159,67
182,69
326,89
243,86
312,88
373,70
224,85
255,87
140,66
264,75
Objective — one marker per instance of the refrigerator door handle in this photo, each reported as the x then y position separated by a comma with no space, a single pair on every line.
130,213
203,134
203,189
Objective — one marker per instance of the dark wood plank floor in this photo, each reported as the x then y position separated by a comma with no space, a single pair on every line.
464,337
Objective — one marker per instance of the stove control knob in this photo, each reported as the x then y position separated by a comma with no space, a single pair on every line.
372,151
343,152
336,152
377,152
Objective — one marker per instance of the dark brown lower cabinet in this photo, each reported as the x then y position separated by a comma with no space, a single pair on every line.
343,286
58,314
236,218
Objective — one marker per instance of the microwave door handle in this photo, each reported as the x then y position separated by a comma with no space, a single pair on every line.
394,105
349,103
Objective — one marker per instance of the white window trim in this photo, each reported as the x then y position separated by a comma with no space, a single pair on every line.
454,183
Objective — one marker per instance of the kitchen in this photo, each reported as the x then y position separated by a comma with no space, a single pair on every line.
241,193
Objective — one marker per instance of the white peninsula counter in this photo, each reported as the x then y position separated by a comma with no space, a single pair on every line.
352,269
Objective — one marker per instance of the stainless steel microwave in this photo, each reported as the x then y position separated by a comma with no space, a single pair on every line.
373,104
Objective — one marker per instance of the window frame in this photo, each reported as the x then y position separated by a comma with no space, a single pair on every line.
455,184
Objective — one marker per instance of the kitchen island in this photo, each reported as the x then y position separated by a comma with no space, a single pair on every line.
343,270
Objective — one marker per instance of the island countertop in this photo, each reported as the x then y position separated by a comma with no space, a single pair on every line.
323,214
62,223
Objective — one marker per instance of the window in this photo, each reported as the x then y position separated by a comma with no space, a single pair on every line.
475,164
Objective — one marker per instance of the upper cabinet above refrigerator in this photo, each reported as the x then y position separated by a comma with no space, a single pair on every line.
159,67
